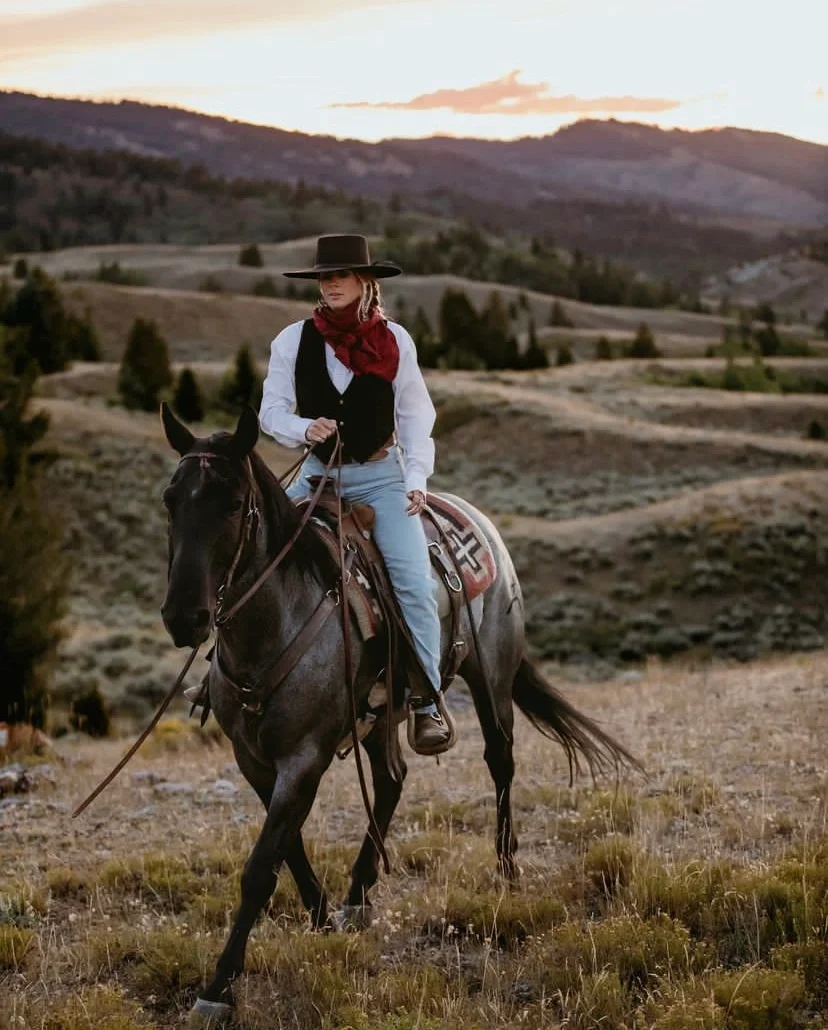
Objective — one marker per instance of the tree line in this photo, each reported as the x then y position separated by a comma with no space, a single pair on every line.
467,339
466,251
53,195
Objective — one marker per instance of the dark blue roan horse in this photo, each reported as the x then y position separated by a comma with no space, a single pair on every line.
284,750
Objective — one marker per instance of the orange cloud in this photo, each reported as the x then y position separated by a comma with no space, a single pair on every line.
113,22
508,96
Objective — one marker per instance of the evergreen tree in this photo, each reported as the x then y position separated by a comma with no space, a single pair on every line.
768,340
765,313
823,324
460,331
33,571
187,400
145,367
499,346
535,356
250,256
265,287
242,384
38,309
21,268
603,349
563,355
82,339
745,327
427,344
643,345
559,317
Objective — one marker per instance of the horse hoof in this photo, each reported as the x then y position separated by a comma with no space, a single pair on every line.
351,918
209,1015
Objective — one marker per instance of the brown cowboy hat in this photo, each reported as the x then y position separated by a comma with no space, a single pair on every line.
336,253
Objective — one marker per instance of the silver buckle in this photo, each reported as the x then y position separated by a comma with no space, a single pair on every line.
451,579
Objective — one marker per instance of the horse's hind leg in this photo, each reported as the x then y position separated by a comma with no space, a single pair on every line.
499,758
387,793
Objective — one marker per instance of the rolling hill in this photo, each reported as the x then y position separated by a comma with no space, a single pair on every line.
756,175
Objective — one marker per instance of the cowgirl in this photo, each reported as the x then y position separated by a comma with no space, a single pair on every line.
349,367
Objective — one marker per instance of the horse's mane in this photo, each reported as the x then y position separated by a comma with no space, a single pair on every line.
282,518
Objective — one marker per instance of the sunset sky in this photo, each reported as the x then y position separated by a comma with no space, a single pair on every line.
372,69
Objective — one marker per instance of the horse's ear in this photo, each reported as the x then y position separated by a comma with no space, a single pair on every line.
179,436
246,434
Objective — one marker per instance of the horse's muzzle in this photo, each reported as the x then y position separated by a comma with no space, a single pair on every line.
187,628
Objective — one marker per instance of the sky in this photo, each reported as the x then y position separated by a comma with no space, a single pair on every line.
370,69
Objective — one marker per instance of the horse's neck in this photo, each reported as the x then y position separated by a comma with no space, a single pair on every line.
278,609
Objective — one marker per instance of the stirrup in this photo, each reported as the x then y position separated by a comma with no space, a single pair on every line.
445,715
365,725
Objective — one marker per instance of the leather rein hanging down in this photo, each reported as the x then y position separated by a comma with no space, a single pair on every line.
221,617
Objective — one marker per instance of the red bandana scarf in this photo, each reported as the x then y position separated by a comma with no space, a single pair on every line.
367,348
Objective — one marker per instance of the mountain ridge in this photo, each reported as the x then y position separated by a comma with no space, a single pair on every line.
705,174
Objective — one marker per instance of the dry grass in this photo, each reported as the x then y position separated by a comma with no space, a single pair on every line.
196,325
696,898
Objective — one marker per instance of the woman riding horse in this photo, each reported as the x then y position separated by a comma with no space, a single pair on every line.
350,369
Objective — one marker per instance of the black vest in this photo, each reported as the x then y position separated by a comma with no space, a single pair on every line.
364,412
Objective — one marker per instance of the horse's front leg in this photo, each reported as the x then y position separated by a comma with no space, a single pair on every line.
262,779
356,911
297,781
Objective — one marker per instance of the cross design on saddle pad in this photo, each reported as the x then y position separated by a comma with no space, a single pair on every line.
465,547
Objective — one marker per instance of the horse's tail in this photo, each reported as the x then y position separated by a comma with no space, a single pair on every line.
580,736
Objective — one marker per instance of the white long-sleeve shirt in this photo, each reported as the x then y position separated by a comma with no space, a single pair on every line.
413,410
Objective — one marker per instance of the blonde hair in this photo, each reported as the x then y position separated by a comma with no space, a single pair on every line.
370,301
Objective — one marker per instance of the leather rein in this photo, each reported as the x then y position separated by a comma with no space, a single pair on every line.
336,597
250,521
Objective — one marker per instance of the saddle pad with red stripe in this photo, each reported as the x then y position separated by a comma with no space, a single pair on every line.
472,551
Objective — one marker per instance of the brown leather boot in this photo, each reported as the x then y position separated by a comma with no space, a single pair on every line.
428,733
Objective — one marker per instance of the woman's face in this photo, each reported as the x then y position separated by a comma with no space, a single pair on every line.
339,289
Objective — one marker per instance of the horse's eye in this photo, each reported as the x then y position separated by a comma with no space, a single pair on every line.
235,506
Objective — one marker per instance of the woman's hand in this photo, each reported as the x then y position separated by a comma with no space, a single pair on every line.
418,502
320,429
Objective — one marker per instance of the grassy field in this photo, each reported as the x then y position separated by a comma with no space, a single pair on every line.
695,898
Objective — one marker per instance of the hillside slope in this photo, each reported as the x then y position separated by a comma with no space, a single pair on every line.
753,174
632,534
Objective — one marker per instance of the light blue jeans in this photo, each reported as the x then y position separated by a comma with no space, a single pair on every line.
400,539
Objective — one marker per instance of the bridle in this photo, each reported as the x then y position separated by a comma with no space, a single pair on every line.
250,525
250,528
